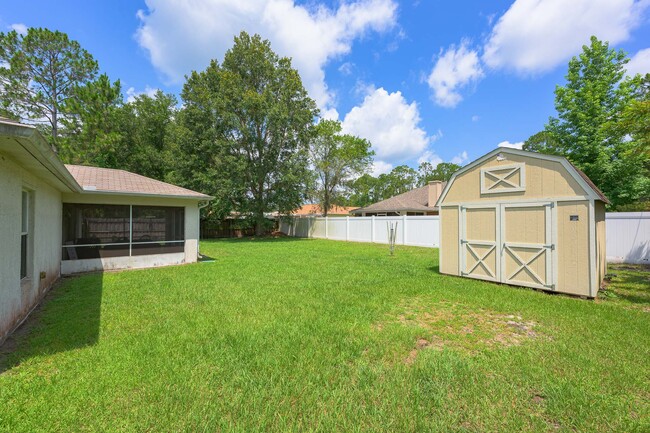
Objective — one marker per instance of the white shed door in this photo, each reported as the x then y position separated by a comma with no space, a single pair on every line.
508,243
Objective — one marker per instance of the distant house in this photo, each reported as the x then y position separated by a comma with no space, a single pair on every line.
315,210
418,201
57,219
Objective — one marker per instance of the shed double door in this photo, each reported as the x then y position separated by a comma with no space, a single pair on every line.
508,243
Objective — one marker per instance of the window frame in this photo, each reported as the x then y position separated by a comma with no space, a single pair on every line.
26,218
131,243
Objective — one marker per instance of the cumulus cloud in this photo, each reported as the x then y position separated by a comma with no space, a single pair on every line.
391,123
460,159
517,145
20,28
535,36
639,63
434,159
184,36
131,93
380,167
454,69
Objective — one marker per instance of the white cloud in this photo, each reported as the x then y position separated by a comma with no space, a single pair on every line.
455,69
460,159
20,28
431,157
380,167
537,35
639,63
517,145
184,36
476,118
346,68
131,93
390,123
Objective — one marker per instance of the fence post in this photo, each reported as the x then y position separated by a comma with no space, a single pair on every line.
327,229
404,229
372,229
347,228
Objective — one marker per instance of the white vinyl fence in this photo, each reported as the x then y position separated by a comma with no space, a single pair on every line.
628,237
419,231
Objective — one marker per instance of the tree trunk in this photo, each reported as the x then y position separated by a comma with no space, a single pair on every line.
259,224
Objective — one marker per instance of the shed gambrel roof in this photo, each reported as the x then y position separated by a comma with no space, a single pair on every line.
583,180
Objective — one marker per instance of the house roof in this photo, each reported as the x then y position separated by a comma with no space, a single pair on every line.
414,200
108,180
590,188
314,209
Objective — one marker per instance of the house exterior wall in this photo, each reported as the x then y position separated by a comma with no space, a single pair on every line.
16,297
544,179
191,234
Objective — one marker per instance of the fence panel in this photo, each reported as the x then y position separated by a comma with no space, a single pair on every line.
419,230
628,237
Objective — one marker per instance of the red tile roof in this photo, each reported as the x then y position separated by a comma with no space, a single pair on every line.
124,182
314,209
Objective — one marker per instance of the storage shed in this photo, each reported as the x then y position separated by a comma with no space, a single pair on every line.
525,219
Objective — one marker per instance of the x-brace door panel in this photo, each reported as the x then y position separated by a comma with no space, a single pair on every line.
479,243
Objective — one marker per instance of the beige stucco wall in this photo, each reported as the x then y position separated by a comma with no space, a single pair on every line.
16,299
544,179
191,232
449,238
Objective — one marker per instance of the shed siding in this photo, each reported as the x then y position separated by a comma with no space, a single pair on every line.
601,257
573,248
544,179
450,239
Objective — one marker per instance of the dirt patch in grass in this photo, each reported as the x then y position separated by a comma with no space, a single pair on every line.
450,325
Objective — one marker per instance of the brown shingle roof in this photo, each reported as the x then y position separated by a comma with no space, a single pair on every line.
125,182
414,200
593,186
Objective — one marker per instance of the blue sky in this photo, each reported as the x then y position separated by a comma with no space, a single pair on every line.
422,80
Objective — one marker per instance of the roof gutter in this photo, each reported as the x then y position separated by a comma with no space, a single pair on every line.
41,151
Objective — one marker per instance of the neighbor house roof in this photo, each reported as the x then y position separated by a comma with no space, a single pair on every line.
108,180
415,200
314,209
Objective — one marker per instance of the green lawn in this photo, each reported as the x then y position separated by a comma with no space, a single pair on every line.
314,335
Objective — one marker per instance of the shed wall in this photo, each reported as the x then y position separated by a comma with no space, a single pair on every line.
450,239
544,179
573,248
601,248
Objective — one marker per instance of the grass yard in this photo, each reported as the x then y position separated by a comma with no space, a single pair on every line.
315,335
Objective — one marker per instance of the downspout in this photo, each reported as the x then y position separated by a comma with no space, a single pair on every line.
198,218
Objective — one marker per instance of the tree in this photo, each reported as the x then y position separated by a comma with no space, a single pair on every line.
363,191
93,135
253,118
400,180
443,171
144,126
336,158
588,128
43,70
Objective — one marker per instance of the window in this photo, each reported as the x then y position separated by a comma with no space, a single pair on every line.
24,233
97,231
